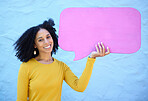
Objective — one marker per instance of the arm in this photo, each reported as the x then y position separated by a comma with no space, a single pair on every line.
81,83
22,83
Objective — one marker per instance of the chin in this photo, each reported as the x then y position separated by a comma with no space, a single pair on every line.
48,51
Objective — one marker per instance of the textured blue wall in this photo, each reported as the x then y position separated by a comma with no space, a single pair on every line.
116,77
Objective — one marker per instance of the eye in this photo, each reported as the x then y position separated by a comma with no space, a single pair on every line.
48,36
40,40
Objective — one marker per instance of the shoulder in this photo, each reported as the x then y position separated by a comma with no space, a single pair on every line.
61,63
29,62
26,65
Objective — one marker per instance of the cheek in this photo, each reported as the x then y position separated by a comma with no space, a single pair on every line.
39,44
52,42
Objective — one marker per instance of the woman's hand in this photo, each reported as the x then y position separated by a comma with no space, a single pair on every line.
100,51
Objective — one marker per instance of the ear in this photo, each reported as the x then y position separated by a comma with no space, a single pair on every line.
35,46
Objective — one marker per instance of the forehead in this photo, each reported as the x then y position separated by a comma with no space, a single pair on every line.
42,33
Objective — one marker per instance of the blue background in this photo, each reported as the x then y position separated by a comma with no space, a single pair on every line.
116,77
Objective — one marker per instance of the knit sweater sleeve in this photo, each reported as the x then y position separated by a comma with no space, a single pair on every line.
22,83
79,84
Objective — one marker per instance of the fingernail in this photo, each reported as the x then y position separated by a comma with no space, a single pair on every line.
101,43
107,47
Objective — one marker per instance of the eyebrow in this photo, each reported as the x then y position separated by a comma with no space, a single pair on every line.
41,37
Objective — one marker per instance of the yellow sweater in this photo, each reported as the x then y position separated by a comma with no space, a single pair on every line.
43,82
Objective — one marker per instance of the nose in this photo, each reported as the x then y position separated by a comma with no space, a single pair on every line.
46,41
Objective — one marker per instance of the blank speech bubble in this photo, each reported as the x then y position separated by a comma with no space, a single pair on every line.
119,28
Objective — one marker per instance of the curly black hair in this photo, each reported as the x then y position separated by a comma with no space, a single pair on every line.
25,44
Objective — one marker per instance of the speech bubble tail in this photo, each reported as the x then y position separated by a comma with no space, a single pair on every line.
79,55
75,59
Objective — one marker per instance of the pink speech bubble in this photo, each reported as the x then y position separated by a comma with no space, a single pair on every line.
81,29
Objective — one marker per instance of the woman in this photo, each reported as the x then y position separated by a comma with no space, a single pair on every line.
41,76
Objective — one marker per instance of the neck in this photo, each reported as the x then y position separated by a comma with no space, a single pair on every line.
45,57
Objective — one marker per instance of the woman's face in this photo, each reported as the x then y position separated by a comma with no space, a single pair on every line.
43,41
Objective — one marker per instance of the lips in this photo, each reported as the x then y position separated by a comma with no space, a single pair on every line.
47,46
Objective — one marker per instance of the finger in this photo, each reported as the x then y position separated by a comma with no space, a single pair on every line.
103,48
108,51
97,49
100,47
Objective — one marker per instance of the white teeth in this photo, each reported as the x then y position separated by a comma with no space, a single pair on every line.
47,46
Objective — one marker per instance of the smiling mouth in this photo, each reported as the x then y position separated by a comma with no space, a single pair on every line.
48,46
